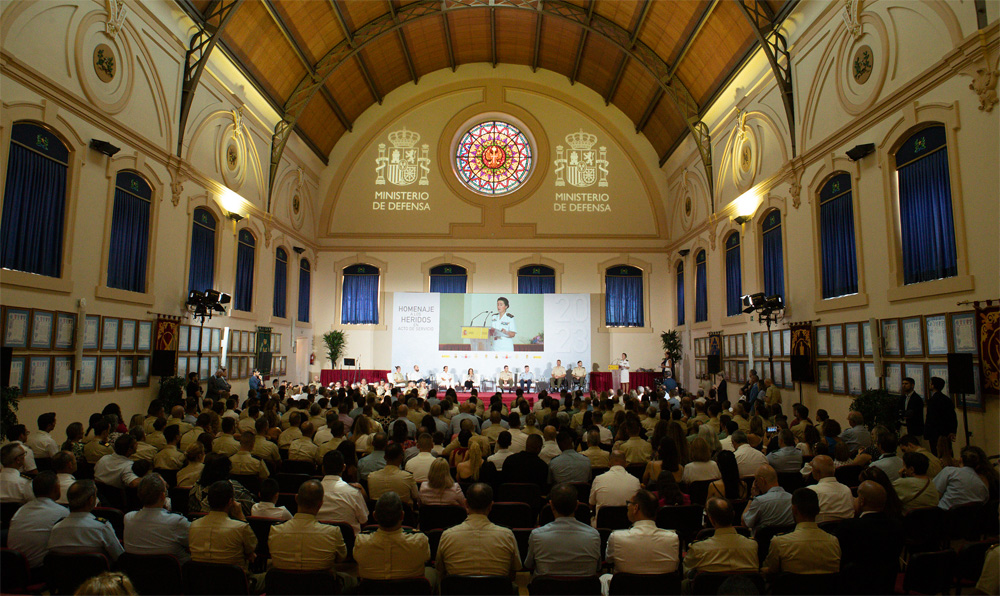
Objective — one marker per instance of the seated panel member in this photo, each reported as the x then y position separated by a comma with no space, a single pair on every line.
579,375
506,379
470,379
415,375
398,378
445,379
526,378
558,376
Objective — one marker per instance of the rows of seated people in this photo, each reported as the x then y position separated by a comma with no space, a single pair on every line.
628,471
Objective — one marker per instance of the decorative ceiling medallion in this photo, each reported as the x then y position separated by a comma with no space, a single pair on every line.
296,204
862,64
687,206
493,158
117,11
104,62
232,156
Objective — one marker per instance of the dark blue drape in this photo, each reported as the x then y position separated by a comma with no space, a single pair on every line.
34,206
926,220
680,295
280,283
201,275
623,301
536,284
734,281
245,257
839,257
129,242
449,284
305,284
359,305
700,292
774,274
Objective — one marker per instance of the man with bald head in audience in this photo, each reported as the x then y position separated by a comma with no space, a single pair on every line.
870,544
726,551
303,448
477,546
836,502
770,504
565,546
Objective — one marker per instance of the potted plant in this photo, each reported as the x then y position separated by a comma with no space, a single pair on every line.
878,406
672,346
336,343
171,392
8,409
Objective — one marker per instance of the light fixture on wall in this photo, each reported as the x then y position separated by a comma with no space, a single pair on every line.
741,219
236,217
298,250
684,252
860,151
104,147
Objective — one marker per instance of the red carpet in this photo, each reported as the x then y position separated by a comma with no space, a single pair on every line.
485,396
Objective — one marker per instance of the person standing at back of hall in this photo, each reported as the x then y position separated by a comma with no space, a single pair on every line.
503,327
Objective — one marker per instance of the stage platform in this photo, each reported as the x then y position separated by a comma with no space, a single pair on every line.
484,396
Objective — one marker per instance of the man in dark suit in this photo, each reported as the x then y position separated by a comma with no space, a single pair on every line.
870,544
722,391
941,418
526,466
911,407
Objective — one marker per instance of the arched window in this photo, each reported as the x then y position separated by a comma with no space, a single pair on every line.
926,222
305,284
680,293
449,279
838,252
623,306
359,299
129,244
280,282
774,261
201,274
34,201
536,279
246,255
701,287
734,277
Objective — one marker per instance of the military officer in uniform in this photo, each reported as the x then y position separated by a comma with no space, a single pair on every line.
558,375
525,379
579,375
398,378
503,329
506,379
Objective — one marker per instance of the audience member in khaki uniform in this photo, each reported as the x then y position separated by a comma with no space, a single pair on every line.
244,463
291,433
477,546
726,551
170,457
143,450
177,417
637,450
189,474
155,437
94,450
191,437
388,553
222,536
597,456
262,447
808,549
226,443
392,479
303,448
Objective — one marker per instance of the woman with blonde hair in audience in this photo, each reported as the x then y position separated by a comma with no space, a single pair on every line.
708,434
189,474
530,422
441,488
109,583
469,469
362,434
136,420
701,466
729,485
666,461
757,436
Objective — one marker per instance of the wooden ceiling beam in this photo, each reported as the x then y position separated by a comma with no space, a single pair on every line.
583,42
447,40
641,125
691,36
538,41
624,61
287,33
766,27
493,34
402,42
360,60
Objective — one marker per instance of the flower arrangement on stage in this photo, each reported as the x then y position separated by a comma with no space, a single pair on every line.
538,339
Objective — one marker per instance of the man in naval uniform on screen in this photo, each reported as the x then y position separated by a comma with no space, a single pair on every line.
503,329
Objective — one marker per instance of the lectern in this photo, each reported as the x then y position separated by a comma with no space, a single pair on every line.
479,338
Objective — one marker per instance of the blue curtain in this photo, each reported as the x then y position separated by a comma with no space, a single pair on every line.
837,248
536,284
34,206
201,276
700,293
774,275
926,220
305,284
734,282
359,305
280,283
623,301
449,284
680,296
129,242
245,256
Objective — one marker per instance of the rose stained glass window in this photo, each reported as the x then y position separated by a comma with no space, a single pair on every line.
493,158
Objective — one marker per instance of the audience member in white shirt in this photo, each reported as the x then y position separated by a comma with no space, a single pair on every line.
550,448
268,497
420,464
643,549
64,465
503,450
614,487
14,488
747,458
41,443
836,501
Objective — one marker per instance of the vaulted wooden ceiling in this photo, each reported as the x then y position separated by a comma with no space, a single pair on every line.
634,53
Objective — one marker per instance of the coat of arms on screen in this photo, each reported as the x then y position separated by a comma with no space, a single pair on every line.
581,166
402,164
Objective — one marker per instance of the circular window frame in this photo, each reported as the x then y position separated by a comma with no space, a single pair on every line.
521,129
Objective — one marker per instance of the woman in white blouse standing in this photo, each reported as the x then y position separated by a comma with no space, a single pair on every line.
623,373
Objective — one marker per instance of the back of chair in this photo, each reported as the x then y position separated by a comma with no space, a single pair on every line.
521,492
112,496
441,516
261,527
764,535
153,574
287,500
582,491
281,582
65,572
390,587
169,476
698,491
486,585
296,466
7,511
589,586
179,499
14,572
289,482
43,464
663,584
709,583
965,522
613,518
596,471
84,470
215,578
970,561
582,514
923,529
848,475
114,517
790,481
792,584
930,573
636,470
686,520
512,515
251,482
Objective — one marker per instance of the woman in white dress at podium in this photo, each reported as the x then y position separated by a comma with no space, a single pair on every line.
623,373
